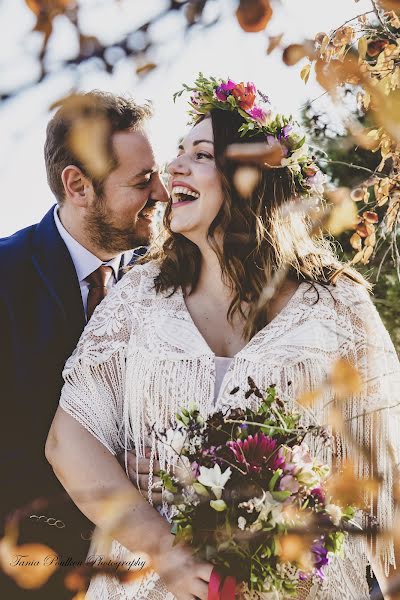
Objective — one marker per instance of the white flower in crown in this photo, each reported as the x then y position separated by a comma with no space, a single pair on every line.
214,479
292,161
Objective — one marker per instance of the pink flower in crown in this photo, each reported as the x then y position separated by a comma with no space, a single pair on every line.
224,90
255,451
196,98
258,114
245,95
272,141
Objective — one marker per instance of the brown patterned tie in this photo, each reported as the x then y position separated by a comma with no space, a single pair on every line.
97,287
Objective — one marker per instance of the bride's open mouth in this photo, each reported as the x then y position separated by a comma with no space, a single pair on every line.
182,195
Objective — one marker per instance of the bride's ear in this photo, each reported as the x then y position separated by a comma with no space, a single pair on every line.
78,188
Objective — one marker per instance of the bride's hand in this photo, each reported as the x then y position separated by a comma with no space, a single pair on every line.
143,473
186,577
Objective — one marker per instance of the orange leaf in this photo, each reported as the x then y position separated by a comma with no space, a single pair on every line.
145,69
295,52
259,153
345,378
375,47
390,4
35,566
370,216
254,15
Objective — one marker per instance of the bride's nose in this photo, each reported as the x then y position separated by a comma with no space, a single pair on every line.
178,165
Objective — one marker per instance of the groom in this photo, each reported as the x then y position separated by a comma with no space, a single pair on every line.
52,277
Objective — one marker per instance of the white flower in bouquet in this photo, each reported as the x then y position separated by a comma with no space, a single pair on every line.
175,440
214,479
242,523
335,513
183,471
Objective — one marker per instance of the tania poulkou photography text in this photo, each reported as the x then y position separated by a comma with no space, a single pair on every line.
200,281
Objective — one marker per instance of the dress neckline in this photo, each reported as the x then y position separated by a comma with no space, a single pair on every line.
255,337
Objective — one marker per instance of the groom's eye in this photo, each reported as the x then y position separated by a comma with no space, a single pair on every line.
142,184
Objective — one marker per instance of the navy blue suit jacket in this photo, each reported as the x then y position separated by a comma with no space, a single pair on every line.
41,320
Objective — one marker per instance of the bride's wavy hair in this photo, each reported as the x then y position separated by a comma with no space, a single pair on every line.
261,234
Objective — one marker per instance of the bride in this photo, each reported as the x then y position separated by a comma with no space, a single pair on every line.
186,325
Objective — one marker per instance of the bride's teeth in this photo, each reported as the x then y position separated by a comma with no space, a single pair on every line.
181,190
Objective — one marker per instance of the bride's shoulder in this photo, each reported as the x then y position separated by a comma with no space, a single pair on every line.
138,280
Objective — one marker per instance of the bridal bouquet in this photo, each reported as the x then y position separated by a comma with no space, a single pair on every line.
244,481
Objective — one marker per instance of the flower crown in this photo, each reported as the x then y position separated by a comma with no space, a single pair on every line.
209,94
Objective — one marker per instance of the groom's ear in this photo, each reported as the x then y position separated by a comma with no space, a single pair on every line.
78,188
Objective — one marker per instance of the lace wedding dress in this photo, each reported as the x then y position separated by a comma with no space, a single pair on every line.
141,358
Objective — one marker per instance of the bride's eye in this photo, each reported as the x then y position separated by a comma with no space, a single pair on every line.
203,155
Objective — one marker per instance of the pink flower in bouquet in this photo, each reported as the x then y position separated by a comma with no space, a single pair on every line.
290,484
224,90
254,451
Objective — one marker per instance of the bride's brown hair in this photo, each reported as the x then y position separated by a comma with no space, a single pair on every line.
259,238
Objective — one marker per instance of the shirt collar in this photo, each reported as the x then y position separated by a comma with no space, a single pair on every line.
84,261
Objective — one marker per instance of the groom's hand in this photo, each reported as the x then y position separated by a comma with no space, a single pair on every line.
141,479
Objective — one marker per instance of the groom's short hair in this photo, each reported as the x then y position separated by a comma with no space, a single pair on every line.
111,113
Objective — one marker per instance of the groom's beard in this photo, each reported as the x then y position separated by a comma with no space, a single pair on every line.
104,233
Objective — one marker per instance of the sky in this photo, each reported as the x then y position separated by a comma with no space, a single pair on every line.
222,50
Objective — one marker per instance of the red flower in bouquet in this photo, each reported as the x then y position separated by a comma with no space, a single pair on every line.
255,451
245,95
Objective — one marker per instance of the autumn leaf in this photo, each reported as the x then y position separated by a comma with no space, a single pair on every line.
356,241
370,216
274,42
53,6
343,36
254,15
296,52
30,576
305,73
375,47
258,153
309,398
246,179
390,5
343,214
145,69
296,549
89,141
346,489
345,379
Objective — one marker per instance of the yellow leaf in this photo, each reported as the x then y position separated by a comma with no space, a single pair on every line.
309,398
246,179
305,72
362,48
345,379
356,241
343,214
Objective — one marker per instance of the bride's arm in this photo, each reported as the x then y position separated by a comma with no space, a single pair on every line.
91,475
85,439
373,418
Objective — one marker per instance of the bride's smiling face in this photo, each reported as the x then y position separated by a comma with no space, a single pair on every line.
195,184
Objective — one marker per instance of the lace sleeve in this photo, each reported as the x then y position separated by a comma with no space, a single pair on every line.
373,417
94,375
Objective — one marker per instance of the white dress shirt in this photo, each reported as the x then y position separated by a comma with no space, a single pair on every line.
85,262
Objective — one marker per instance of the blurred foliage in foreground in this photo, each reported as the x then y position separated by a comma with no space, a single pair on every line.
348,165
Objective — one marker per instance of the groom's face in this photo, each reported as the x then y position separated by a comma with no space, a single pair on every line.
121,218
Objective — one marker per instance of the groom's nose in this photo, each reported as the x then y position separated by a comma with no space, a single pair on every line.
159,192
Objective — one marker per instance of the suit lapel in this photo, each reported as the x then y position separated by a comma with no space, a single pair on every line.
54,266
